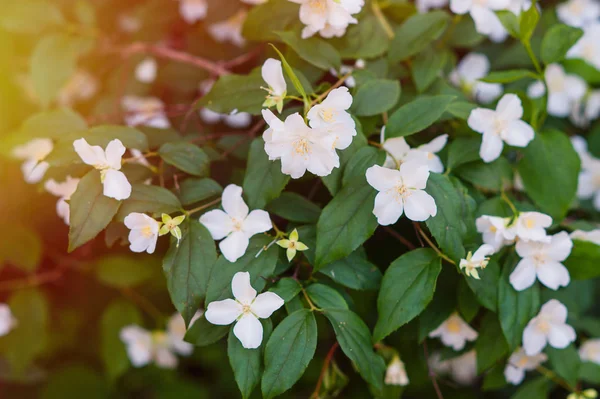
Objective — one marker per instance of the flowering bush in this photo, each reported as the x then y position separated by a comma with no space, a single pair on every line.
348,198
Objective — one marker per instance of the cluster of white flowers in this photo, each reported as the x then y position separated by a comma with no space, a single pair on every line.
504,125
467,75
588,185
158,347
245,310
329,18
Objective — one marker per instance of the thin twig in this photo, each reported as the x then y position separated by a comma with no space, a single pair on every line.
32,281
328,358
201,207
433,246
397,236
335,86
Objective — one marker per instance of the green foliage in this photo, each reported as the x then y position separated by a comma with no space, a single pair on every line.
150,199
376,97
557,41
263,181
583,261
417,115
186,157
416,33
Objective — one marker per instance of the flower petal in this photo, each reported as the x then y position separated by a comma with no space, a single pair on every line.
223,312
258,221
555,310
553,275
523,276
233,203
90,155
560,246
382,179
491,147
419,206
560,336
387,209
481,120
116,185
114,152
218,223
265,304
272,73
242,289
518,134
509,108
533,340
234,246
249,331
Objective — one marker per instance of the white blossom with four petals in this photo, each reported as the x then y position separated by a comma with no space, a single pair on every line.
548,327
401,191
531,226
454,332
245,310
467,75
235,224
144,232
519,363
64,191
542,260
108,162
34,153
504,125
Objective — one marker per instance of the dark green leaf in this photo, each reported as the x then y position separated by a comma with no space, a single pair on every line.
314,50
427,66
354,272
122,271
149,199
535,389
75,381
376,97
278,15
236,92
590,372
463,150
565,362
417,115
416,33
510,22
490,345
584,261
486,288
287,288
186,157
326,297
406,289
490,176
194,190
364,40
509,76
528,21
363,159
295,208
203,333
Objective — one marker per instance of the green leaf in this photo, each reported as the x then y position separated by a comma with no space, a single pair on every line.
333,182
486,288
278,15
287,288
129,136
289,350
30,17
295,208
463,150
117,315
247,363
194,190
534,389
263,181
187,267
364,40
584,260
376,97
449,226
187,157
53,62
509,76
345,223
417,115
122,271
443,304
29,338
490,346
542,175
406,289
510,22
218,279
415,34
22,247
461,109
354,272
149,199
326,297
363,159
354,338
427,67
515,308
467,303
90,210
203,333
590,372
53,124
565,362
75,381
528,21
236,92
489,176
313,50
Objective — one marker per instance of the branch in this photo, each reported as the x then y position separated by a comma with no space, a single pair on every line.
315,394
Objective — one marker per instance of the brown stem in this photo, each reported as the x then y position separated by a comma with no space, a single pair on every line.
335,86
397,236
242,59
315,394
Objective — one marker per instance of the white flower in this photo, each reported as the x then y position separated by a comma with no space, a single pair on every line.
346,69
463,369
64,191
138,343
332,116
425,5
108,162
80,87
542,259
578,13
398,150
401,191
192,10
588,185
235,224
299,147
7,320
588,46
482,12
563,90
395,373
478,260
245,310
146,111
229,30
519,363
590,351
536,90
145,71
272,74
548,327
454,332
495,231
328,17
176,331
532,226
470,70
144,232
590,236
502,125
33,153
